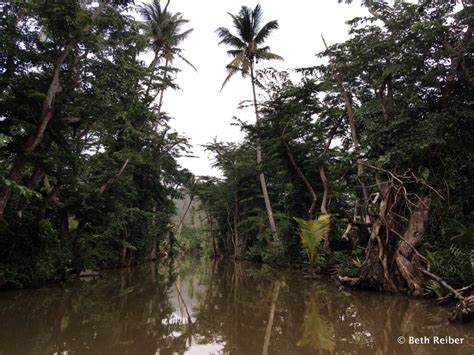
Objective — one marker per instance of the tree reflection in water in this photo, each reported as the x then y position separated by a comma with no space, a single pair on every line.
316,331
223,307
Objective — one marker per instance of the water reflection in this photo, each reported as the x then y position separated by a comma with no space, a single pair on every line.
200,307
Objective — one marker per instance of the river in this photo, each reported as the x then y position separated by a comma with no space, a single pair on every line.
193,306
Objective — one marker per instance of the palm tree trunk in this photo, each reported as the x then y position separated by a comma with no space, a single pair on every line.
263,182
160,101
150,70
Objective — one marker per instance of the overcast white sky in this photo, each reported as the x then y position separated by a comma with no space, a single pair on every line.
200,111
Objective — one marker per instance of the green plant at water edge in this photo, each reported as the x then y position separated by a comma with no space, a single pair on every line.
453,265
313,232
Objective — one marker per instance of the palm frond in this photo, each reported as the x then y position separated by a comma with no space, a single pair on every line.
228,38
180,37
231,71
263,54
234,52
245,28
266,31
241,62
257,15
152,11
187,61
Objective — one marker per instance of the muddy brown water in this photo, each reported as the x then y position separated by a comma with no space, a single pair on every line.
201,307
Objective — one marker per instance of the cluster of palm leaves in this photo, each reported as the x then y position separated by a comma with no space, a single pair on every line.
247,44
164,31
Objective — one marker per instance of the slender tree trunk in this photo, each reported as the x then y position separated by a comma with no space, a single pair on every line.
314,196
215,253
35,178
13,175
355,140
263,182
154,242
153,63
179,227
239,247
322,171
154,248
36,137
325,181
151,68
160,101
124,248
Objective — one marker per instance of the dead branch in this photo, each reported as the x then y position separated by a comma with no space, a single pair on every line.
443,299
452,290
352,221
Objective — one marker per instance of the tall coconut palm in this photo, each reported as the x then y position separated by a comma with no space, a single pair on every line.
163,30
247,50
164,33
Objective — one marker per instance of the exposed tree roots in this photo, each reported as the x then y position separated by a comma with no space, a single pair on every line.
392,262
398,217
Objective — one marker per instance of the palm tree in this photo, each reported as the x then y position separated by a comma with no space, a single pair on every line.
247,50
164,32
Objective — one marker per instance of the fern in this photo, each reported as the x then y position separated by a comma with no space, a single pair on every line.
313,232
453,265
435,288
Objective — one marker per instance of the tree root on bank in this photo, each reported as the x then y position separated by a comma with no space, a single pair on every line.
464,310
398,219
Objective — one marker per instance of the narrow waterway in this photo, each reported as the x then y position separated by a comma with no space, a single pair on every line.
200,307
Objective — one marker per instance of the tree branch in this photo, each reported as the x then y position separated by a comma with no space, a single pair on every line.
113,179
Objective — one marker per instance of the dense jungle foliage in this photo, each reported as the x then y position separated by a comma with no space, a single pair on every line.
360,165
89,170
